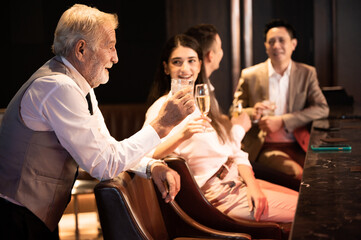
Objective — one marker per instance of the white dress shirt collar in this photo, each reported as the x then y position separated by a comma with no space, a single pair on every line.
278,93
271,70
78,78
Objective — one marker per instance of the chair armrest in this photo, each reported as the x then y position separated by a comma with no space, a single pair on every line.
209,231
192,201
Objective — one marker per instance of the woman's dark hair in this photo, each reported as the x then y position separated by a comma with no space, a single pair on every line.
162,81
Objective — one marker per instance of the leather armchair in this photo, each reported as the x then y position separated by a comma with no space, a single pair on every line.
192,201
128,209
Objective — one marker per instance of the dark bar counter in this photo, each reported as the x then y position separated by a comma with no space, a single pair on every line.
329,205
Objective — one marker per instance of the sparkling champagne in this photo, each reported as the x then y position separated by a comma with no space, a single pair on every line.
203,103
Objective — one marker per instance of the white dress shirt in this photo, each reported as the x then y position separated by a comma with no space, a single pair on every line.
278,93
57,103
204,152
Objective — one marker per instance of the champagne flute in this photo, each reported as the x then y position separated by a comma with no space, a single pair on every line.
202,98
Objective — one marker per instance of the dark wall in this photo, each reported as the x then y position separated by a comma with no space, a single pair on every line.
140,37
328,38
182,14
143,30
348,47
298,13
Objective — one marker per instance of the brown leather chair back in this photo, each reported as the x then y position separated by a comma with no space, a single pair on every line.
128,209
192,201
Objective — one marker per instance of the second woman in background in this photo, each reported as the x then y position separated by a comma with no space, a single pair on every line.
222,170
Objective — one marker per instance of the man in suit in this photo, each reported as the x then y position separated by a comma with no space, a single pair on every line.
281,96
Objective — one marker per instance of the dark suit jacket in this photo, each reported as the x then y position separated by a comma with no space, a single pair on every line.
305,102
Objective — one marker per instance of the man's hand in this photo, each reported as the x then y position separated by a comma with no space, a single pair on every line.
167,181
271,124
179,106
257,110
264,108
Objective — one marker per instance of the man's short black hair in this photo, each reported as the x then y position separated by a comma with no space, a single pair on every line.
279,23
205,34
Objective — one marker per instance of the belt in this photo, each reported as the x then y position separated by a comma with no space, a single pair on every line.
224,169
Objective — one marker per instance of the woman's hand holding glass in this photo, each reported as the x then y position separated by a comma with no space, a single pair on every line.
196,125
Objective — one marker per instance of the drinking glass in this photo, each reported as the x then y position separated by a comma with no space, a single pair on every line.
237,110
178,84
271,108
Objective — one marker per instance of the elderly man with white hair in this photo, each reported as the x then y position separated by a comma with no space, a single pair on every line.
53,125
